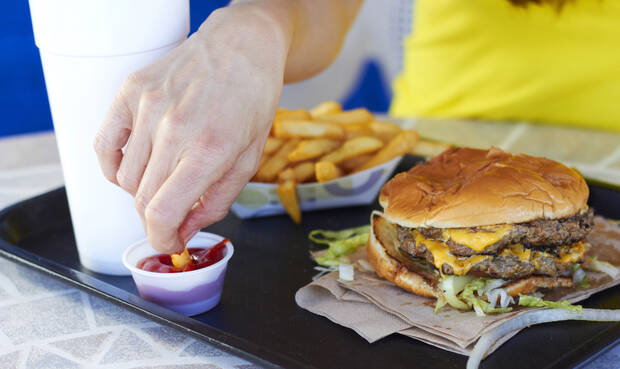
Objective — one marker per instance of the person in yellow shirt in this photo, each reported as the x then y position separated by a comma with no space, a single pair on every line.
185,134
557,62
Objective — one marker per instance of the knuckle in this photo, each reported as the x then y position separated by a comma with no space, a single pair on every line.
110,178
141,201
168,137
152,97
217,214
194,170
246,171
156,217
176,117
133,81
213,147
100,143
126,181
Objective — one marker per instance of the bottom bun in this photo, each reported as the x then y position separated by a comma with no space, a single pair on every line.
531,284
383,233
388,263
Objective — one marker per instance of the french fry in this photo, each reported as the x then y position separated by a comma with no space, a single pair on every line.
325,143
282,113
353,130
299,173
353,163
325,108
292,114
400,145
307,129
385,131
353,147
180,261
288,198
287,174
271,145
309,149
360,115
270,169
428,148
326,171
304,171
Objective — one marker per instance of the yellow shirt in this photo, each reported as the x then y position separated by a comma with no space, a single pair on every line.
490,60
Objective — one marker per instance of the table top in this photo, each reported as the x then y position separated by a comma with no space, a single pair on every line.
45,323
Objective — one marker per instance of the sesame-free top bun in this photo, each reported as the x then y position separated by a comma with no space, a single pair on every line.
465,187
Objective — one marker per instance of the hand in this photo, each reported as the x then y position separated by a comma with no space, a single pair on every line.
194,124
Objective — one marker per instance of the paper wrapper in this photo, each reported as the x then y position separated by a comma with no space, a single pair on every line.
376,308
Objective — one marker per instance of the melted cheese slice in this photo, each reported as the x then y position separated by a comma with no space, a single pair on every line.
476,241
442,255
462,264
518,250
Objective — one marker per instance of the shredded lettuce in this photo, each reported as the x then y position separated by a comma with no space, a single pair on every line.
340,243
602,266
441,301
580,277
460,293
584,283
326,237
331,260
481,307
533,301
465,293
450,287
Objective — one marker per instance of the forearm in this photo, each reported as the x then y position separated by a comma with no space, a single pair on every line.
310,31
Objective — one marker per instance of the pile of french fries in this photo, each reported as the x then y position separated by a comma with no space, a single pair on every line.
325,143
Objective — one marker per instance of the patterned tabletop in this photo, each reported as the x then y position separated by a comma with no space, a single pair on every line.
46,323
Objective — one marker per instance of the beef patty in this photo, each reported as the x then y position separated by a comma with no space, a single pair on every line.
545,261
541,232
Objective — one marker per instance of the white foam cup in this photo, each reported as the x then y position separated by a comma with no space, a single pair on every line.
87,49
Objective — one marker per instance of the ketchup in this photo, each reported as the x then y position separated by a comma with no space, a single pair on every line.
200,258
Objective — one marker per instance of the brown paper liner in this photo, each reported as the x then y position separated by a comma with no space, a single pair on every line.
376,308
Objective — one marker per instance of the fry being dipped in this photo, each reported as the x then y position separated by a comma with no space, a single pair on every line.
181,260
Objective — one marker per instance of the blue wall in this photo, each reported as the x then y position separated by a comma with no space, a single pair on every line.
23,99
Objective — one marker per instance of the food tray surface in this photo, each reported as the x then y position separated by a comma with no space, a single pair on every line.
258,318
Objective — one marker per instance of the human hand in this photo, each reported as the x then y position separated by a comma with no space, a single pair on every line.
194,124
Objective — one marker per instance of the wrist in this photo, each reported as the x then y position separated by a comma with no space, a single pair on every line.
266,25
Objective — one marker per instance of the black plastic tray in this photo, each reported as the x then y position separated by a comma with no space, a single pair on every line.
258,318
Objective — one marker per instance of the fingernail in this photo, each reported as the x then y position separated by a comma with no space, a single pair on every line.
190,236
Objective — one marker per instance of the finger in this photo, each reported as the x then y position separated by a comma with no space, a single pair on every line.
112,137
167,144
176,196
138,150
115,130
214,205
161,163
134,161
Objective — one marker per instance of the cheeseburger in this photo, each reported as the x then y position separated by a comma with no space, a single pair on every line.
510,224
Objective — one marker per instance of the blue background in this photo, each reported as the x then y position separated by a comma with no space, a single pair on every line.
23,99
